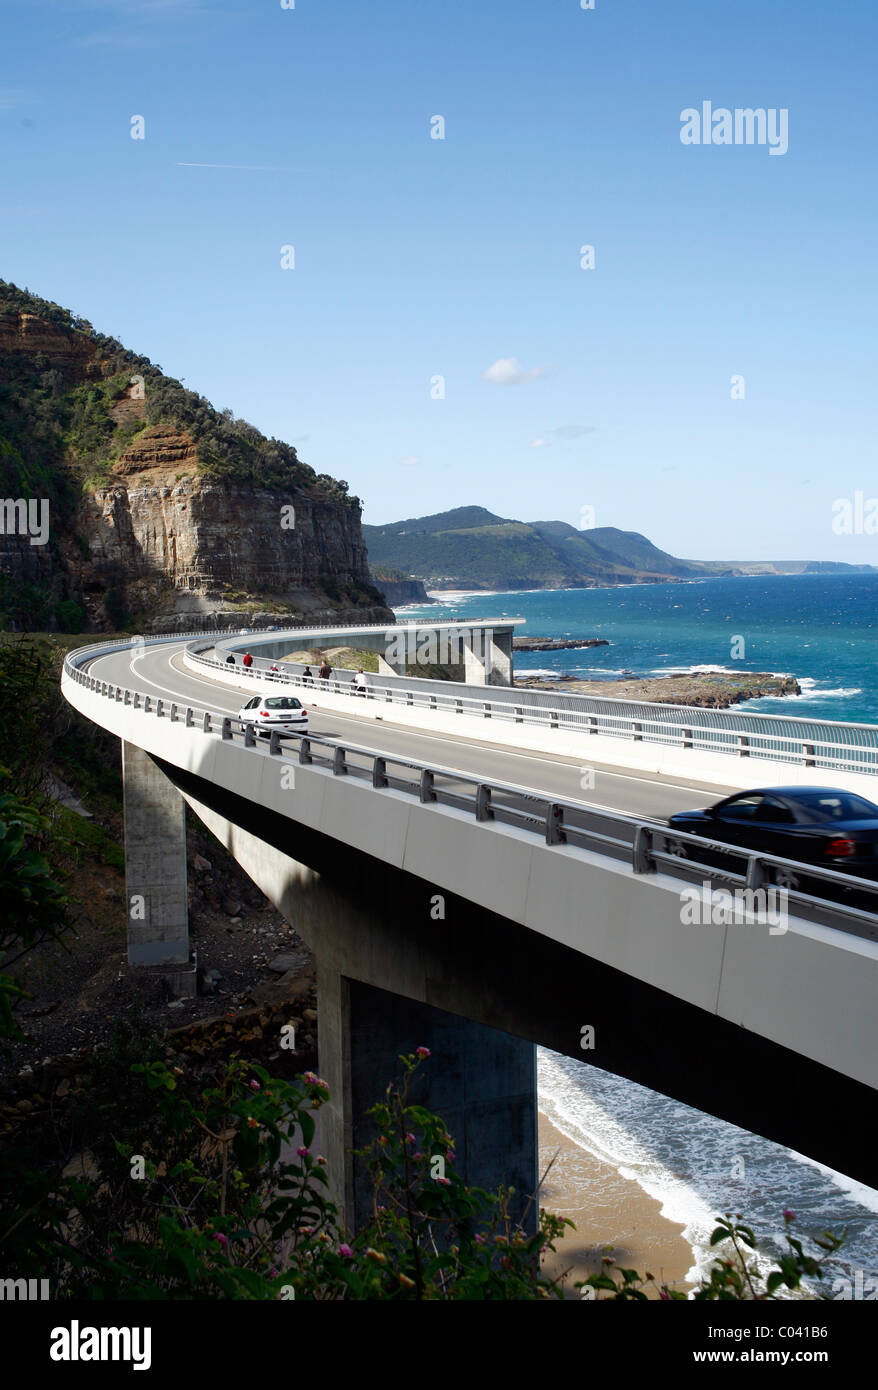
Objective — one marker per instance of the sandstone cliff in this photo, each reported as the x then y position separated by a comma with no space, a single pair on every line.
164,513
399,588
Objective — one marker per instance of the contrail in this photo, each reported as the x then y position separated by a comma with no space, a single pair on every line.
261,168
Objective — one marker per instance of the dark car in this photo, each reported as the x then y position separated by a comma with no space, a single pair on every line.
815,825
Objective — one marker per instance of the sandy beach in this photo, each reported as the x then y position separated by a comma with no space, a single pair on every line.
608,1210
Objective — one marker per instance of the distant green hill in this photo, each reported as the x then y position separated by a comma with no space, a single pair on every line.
470,547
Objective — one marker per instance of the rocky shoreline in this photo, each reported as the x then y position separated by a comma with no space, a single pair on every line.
556,644
705,689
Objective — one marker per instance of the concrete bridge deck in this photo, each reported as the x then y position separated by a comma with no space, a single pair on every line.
537,939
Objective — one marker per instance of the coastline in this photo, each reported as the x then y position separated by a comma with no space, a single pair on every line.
608,1211
707,689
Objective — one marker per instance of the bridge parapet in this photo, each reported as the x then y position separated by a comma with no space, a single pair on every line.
544,880
646,846
667,733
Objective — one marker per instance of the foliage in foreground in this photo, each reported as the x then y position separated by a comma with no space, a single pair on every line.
203,1184
221,1196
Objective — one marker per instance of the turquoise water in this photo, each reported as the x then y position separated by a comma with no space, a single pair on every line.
823,629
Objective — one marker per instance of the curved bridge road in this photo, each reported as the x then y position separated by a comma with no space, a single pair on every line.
159,672
784,1021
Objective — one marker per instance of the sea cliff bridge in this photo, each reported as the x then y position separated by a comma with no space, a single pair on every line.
480,868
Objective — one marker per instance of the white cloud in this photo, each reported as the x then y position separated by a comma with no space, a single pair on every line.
562,432
508,371
410,458
572,431
260,168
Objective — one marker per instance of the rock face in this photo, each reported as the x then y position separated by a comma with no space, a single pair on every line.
32,335
194,545
398,591
143,531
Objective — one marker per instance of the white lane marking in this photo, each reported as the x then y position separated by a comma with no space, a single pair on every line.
447,738
529,757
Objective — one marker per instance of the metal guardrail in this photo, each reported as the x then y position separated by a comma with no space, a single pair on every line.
777,738
645,846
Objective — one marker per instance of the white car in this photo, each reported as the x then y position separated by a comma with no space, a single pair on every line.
282,712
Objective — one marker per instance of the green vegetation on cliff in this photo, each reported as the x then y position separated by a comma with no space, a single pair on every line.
157,503
46,411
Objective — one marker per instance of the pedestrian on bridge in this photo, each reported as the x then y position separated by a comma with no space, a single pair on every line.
325,670
248,660
360,682
308,675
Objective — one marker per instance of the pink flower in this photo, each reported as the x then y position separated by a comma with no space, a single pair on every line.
310,1078
417,1157
321,1160
223,1240
346,1252
254,1086
480,1239
449,1155
302,1151
423,1052
410,1138
446,1182
788,1215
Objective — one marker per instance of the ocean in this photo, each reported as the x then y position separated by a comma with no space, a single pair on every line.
823,629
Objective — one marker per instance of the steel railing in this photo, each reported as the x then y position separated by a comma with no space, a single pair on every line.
645,846
776,738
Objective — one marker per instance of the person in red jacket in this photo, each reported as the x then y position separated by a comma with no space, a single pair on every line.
248,660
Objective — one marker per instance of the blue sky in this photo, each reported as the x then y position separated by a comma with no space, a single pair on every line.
417,257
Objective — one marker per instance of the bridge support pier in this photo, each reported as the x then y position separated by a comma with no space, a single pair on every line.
482,1082
476,654
155,871
500,672
390,668
487,657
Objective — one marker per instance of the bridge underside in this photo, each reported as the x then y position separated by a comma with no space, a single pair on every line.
370,923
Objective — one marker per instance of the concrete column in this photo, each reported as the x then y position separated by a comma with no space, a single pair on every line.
474,672
392,659
482,1083
500,653
390,668
155,864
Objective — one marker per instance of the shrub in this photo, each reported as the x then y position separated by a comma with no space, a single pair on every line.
69,615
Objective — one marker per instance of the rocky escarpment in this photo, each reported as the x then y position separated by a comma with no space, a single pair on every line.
189,547
34,336
399,588
163,513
